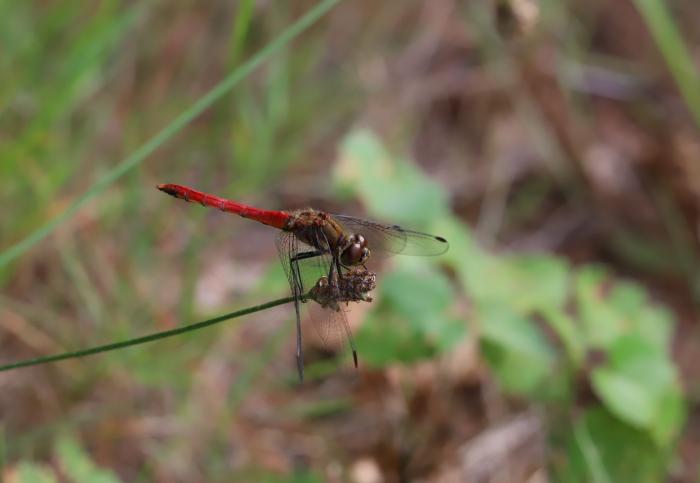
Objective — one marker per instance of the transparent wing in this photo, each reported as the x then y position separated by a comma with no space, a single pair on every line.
330,325
393,238
309,269
287,248
332,328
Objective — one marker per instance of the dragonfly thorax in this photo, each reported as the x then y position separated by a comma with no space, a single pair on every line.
321,231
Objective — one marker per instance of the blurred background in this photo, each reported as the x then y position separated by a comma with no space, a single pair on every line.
553,143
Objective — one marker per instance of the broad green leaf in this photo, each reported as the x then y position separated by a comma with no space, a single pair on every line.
670,417
602,449
419,294
638,315
445,332
623,308
641,359
540,281
391,188
384,340
521,357
525,282
464,255
568,332
655,324
412,322
624,397
601,323
627,297
640,386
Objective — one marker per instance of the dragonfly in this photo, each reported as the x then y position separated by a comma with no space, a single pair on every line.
335,244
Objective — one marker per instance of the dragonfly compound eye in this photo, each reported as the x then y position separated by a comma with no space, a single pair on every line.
354,254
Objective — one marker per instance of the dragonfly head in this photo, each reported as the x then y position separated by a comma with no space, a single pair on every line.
355,251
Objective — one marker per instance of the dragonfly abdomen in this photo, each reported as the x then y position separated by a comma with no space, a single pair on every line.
277,219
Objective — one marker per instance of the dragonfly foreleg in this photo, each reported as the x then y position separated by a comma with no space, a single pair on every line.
300,351
334,271
296,272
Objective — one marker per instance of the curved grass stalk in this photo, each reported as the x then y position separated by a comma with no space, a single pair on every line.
679,59
216,93
146,338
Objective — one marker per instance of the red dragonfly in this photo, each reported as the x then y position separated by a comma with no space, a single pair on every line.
336,242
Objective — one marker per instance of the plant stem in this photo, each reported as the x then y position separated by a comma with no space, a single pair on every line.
146,338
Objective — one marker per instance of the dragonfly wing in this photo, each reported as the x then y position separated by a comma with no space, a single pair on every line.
333,329
303,274
330,325
287,248
394,238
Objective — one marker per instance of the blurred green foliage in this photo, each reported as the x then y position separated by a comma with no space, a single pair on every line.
602,449
545,327
537,317
74,463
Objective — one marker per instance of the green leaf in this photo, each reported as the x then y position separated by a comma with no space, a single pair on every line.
525,282
638,315
640,386
418,293
464,255
626,309
655,324
624,397
601,323
670,417
410,324
517,351
542,281
602,449
568,332
445,333
628,297
384,340
392,189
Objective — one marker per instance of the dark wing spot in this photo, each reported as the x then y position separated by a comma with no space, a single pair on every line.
440,239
